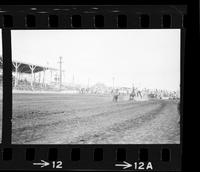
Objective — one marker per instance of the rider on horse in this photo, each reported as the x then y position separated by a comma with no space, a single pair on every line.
115,95
132,95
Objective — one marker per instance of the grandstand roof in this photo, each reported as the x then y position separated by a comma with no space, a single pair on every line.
24,67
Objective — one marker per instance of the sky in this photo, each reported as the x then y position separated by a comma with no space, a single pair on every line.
144,57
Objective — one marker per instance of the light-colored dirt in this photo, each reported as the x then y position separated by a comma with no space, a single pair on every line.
92,119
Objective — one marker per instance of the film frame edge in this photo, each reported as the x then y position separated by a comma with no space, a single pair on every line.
18,23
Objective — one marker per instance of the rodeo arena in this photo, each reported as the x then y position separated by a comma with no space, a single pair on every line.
47,110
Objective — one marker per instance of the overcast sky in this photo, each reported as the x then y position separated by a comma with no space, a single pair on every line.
148,58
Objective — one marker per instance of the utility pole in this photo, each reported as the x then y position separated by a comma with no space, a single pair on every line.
73,80
113,79
60,63
63,75
88,82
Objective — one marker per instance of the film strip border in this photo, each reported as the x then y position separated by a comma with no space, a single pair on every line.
90,17
98,157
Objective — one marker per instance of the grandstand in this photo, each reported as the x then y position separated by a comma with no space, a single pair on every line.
27,76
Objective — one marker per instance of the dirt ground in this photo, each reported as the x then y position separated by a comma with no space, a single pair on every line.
92,119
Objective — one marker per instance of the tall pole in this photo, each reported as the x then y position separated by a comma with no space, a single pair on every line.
73,80
16,79
60,62
51,77
88,82
39,77
16,65
63,77
113,79
44,77
32,67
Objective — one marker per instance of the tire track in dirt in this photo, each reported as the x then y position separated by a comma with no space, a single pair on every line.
164,129
74,114
117,130
32,133
19,114
91,125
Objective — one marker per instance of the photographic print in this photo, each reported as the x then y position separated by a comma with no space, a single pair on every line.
96,86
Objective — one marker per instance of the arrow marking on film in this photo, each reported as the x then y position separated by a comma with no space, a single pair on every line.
125,165
42,163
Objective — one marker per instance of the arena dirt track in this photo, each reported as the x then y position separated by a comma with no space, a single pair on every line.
92,119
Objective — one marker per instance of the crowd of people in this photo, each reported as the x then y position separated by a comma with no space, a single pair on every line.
102,89
146,93
159,93
25,85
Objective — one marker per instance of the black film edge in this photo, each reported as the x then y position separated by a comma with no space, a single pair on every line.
157,157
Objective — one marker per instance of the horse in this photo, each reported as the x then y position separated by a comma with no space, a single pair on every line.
132,95
116,96
139,93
